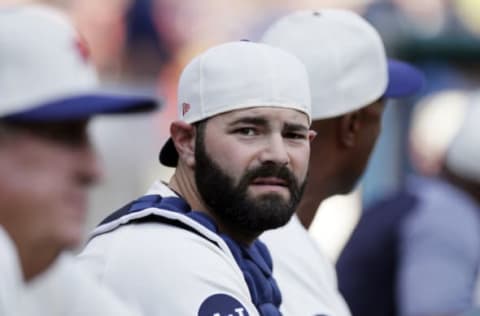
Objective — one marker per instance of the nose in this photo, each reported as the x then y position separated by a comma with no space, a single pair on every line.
275,151
89,170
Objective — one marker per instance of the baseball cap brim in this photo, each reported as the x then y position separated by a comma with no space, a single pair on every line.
403,79
169,155
85,106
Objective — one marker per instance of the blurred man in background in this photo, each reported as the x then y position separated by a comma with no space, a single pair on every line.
49,94
417,251
350,81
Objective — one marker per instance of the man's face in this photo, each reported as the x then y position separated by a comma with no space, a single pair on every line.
336,168
370,130
251,165
45,168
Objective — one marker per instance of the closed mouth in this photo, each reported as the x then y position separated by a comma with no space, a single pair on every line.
270,181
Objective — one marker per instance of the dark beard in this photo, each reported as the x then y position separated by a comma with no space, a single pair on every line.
232,205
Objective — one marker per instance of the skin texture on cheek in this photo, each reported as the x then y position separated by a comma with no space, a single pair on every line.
226,173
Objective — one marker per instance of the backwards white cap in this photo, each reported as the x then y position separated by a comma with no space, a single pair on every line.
45,71
239,75
345,60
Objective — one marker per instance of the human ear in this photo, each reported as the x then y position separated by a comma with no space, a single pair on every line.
349,127
183,136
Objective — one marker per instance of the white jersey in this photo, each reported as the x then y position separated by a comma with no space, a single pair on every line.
67,290
168,270
304,274
11,283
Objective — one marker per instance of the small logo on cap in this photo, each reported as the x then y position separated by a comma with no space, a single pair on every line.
185,108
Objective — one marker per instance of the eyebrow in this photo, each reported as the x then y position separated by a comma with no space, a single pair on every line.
250,120
263,122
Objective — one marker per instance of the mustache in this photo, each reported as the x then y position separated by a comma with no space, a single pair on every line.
271,170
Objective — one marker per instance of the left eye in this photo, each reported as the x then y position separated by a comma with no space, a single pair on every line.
247,131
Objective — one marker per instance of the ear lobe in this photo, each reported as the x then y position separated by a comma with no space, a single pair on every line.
349,127
183,136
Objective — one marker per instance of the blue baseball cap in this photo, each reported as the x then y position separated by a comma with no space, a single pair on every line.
46,73
84,106
404,79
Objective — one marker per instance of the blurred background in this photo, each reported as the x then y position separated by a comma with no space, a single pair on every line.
145,44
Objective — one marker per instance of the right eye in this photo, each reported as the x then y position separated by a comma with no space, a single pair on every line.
246,131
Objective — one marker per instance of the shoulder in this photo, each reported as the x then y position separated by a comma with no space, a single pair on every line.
445,226
292,245
445,214
163,245
75,292
166,269
303,272
291,237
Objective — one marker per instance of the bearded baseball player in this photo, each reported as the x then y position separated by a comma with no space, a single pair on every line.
241,150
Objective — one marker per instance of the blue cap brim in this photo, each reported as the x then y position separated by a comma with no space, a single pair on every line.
404,80
85,106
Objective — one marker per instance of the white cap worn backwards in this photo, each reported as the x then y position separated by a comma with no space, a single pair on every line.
239,75
345,59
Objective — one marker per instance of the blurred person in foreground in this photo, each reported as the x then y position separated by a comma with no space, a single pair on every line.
49,94
241,148
417,251
350,81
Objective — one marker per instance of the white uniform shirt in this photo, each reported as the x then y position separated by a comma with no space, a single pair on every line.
67,290
168,270
306,277
11,283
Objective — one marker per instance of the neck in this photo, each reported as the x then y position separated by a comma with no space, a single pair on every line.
311,200
183,182
35,257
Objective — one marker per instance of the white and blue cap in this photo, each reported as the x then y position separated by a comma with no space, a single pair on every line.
239,75
345,59
45,71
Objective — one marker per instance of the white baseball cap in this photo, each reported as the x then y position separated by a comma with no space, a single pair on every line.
345,59
463,155
45,71
238,75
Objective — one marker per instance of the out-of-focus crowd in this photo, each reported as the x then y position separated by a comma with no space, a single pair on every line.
410,244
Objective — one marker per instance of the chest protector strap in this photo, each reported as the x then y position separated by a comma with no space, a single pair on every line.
254,261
